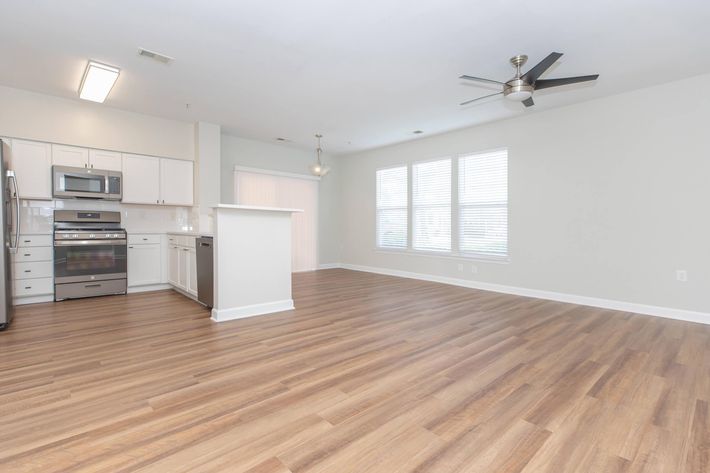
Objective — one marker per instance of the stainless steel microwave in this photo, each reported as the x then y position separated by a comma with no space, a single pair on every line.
86,183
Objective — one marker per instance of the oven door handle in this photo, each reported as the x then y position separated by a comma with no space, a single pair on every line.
89,242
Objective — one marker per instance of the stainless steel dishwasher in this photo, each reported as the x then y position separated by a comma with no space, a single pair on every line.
205,270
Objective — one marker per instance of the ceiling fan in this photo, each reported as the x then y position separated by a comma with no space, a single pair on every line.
521,87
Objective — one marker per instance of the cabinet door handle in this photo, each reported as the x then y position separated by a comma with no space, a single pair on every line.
130,247
28,270
163,200
27,254
28,287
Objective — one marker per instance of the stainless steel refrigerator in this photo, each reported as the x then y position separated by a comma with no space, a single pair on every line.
10,234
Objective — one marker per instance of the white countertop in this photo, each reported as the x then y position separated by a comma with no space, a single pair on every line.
190,233
255,207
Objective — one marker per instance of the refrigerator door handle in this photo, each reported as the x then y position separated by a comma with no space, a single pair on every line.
12,177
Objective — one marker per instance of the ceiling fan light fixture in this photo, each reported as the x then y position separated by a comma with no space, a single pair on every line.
521,87
519,96
518,90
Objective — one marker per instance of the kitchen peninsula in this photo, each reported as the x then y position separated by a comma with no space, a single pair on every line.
252,261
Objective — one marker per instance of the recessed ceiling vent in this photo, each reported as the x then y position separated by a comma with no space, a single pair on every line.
155,56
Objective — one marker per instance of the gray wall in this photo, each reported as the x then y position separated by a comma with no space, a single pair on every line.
607,198
258,154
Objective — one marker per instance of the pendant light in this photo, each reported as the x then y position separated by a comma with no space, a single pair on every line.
318,168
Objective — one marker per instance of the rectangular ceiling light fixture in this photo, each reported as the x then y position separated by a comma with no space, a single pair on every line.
97,81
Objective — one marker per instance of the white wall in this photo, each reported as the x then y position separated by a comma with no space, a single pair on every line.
275,157
607,198
208,156
34,116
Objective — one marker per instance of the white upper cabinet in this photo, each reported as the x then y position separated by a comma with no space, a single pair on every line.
86,158
176,182
70,156
141,179
32,163
106,160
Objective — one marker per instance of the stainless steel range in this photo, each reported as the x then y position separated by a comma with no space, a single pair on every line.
89,254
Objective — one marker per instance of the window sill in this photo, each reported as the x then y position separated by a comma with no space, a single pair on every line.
445,254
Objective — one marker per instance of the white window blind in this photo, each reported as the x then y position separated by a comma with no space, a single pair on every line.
483,204
431,205
392,207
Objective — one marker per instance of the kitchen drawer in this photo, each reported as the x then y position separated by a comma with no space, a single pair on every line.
35,240
33,287
143,239
35,269
39,253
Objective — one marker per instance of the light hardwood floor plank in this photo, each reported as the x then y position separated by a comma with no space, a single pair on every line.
369,373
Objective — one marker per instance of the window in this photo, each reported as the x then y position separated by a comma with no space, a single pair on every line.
392,207
483,204
431,205
457,208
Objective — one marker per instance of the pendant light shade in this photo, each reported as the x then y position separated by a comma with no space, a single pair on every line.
318,168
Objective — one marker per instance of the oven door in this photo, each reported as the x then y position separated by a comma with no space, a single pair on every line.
78,182
89,260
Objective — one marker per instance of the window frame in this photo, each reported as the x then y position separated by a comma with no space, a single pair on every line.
454,253
410,197
473,254
408,209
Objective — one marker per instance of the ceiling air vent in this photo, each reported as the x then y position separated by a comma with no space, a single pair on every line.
155,56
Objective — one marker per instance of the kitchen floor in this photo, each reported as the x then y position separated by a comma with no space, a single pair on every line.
370,374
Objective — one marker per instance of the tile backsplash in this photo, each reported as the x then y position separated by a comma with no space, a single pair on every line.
37,216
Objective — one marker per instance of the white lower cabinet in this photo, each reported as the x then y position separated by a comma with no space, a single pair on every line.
174,264
182,263
183,269
144,264
33,270
192,266
145,259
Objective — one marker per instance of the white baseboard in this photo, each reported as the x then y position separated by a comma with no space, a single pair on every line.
150,287
657,311
330,266
221,315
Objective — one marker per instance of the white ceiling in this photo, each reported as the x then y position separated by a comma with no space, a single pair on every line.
364,74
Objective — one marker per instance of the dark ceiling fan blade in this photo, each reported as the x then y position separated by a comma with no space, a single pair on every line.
481,79
531,76
528,102
547,83
479,98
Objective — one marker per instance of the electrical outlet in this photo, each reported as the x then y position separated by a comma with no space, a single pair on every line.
681,275
474,269
460,267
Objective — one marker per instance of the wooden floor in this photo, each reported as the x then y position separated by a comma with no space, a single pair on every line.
370,374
